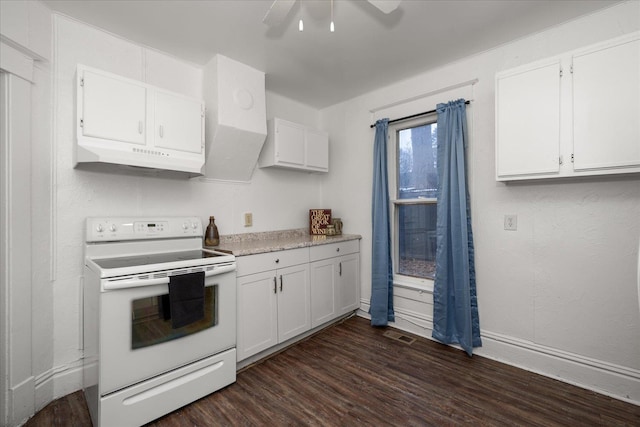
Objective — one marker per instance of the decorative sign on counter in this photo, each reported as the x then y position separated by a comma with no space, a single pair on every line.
319,219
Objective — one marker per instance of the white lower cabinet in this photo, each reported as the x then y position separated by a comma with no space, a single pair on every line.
273,304
283,294
335,284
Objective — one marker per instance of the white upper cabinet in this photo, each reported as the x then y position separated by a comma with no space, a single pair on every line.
178,122
571,115
317,146
528,120
606,106
295,146
113,109
289,144
128,122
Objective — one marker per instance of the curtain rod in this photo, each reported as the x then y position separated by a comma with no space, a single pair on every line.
413,116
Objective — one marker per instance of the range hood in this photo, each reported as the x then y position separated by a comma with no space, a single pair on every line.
125,122
236,122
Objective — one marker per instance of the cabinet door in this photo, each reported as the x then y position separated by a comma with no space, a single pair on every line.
323,291
289,143
317,150
606,106
294,315
257,313
348,283
113,108
178,123
528,121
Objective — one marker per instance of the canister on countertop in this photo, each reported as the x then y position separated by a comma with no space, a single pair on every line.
211,236
337,224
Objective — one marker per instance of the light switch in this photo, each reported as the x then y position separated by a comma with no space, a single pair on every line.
248,219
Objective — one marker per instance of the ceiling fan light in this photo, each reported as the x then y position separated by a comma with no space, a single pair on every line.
300,25
332,27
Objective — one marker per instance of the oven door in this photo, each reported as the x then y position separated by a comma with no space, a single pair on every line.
137,342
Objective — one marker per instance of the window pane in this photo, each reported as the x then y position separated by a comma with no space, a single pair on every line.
417,240
417,156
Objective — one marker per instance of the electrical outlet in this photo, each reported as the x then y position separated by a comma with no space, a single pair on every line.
511,222
248,219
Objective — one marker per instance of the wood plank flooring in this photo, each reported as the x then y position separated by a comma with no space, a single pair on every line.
351,374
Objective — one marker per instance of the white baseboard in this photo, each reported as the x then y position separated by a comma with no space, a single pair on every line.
612,380
20,401
57,382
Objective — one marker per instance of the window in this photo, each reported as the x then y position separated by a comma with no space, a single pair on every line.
414,183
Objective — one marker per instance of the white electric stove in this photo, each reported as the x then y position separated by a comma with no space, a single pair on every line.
141,360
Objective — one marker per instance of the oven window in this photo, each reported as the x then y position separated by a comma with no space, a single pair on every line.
151,325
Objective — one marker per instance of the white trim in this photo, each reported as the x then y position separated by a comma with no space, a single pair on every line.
15,62
619,382
5,230
424,95
57,382
420,285
23,49
53,194
21,403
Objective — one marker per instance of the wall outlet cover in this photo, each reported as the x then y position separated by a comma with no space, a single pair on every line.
511,222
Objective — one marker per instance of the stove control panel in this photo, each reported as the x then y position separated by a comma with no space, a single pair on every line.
102,229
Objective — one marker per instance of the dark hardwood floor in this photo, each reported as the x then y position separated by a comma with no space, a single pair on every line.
352,374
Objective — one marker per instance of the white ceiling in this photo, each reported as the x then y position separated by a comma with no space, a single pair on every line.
368,49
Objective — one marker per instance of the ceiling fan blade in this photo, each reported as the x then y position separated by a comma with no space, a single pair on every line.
278,11
386,6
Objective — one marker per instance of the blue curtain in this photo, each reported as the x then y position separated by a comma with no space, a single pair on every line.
381,305
455,305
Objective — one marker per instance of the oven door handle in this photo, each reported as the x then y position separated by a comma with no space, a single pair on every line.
137,283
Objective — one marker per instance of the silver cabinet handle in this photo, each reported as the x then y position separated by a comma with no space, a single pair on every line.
275,285
161,129
281,283
340,272
140,127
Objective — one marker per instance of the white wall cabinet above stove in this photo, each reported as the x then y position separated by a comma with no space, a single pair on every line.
294,146
575,114
127,122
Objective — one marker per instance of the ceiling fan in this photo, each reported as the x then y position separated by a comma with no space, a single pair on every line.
281,8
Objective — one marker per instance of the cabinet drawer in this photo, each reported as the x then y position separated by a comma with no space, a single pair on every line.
334,249
251,264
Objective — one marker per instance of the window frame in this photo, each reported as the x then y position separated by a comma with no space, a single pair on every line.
400,280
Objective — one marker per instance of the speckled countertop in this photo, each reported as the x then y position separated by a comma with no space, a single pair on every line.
271,241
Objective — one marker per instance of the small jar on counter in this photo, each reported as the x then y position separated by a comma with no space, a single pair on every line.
211,236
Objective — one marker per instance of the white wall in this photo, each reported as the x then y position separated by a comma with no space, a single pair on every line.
559,295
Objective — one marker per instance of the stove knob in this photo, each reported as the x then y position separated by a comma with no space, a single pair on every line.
112,227
194,225
185,226
99,228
